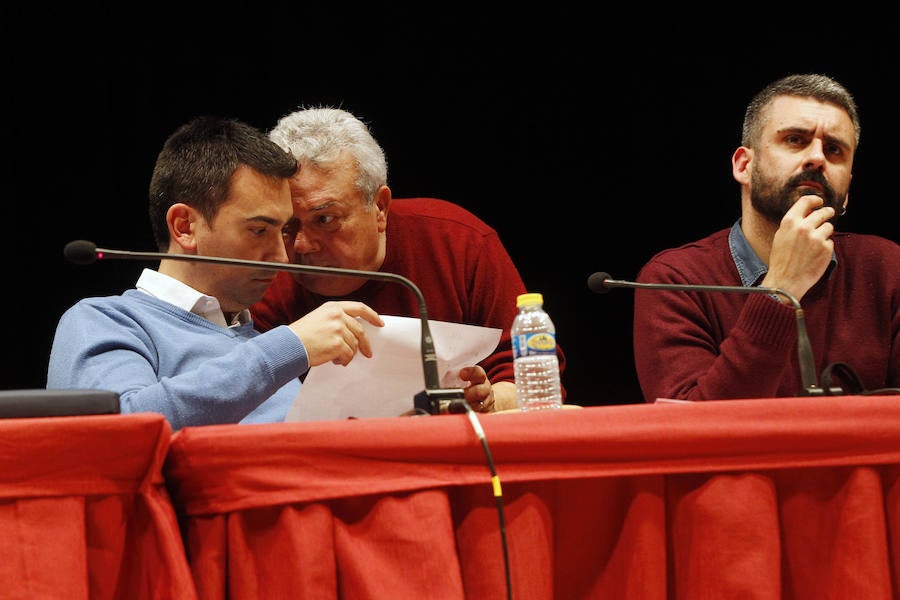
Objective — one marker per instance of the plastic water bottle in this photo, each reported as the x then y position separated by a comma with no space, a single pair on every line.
534,355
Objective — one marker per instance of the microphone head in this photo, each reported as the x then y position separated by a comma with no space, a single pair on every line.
597,282
80,252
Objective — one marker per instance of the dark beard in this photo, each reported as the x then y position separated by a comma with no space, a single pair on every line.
773,201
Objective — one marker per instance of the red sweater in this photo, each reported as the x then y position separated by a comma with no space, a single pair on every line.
711,345
456,260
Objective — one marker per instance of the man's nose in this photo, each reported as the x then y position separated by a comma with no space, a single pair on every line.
815,156
279,253
305,243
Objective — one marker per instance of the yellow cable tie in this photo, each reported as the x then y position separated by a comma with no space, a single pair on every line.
495,481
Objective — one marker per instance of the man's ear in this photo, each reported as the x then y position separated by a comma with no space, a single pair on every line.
382,204
740,165
846,200
182,221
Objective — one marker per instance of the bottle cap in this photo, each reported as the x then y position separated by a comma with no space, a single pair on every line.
528,299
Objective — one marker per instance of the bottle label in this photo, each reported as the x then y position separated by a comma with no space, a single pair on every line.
533,344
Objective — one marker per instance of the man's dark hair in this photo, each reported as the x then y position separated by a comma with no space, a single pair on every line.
808,85
197,162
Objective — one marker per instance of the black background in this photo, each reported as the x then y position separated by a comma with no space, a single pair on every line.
589,142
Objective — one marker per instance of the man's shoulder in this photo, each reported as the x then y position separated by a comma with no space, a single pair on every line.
438,211
128,302
104,301
432,207
693,259
696,248
867,252
423,204
866,241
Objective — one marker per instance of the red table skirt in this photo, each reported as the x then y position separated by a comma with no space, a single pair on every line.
84,511
779,498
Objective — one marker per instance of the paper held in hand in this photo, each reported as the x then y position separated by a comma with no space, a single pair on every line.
386,384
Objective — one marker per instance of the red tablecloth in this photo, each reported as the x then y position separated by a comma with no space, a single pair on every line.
789,498
84,512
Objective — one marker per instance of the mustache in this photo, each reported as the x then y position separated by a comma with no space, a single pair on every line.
816,177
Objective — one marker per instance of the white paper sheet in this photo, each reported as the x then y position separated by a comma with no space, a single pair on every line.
386,384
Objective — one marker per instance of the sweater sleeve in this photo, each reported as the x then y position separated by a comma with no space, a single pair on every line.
191,373
684,347
492,300
495,285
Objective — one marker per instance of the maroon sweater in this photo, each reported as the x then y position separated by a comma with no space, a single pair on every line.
711,345
454,258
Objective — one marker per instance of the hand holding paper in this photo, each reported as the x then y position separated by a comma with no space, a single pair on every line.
384,385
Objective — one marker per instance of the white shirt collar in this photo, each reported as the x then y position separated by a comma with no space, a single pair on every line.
184,296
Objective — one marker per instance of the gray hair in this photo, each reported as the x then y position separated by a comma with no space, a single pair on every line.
317,136
810,85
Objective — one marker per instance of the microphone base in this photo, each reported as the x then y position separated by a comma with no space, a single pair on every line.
830,391
437,402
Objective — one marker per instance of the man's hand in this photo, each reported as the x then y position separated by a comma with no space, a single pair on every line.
333,332
801,248
479,392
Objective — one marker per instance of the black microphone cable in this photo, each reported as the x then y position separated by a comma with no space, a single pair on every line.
853,383
457,407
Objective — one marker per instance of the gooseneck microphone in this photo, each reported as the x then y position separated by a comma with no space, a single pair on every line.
433,400
601,283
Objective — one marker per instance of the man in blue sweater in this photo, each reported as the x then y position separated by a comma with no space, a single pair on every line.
182,343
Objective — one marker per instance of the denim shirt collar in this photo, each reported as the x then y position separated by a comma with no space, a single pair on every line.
749,265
